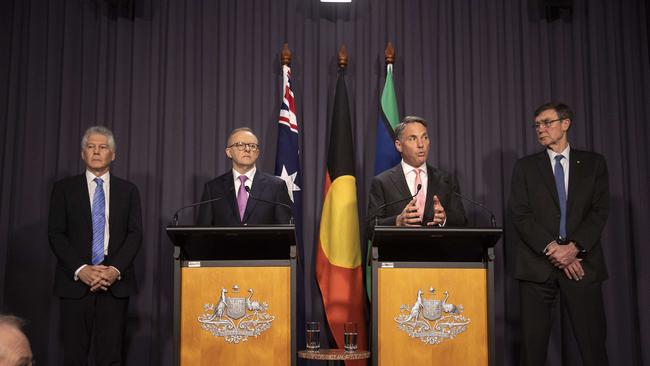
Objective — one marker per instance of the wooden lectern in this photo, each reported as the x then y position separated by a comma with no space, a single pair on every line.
234,295
433,296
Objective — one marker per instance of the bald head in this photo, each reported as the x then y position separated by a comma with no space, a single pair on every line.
14,345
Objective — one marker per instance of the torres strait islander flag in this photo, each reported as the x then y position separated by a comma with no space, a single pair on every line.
338,259
386,156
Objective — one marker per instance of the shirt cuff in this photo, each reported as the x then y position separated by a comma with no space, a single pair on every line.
548,245
443,223
119,274
76,273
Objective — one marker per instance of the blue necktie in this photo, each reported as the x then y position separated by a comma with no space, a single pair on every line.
561,193
99,222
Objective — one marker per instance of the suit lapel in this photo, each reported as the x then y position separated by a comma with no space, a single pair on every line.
231,195
399,181
84,196
548,179
432,188
258,181
575,173
114,195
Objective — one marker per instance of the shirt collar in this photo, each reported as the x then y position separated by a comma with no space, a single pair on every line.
250,174
408,168
90,177
552,154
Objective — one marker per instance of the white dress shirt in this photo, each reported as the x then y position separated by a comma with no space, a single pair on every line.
409,174
565,165
249,182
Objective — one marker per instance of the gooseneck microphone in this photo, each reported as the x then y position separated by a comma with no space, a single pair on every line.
381,207
493,220
175,219
248,190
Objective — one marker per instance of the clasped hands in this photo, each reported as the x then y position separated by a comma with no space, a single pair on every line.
564,258
98,277
410,216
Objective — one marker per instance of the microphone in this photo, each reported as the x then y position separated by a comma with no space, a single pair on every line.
493,220
175,219
248,190
381,207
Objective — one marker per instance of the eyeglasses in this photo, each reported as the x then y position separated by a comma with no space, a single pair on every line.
536,126
241,146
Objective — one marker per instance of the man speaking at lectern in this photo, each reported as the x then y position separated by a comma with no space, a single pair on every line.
397,188
559,202
244,195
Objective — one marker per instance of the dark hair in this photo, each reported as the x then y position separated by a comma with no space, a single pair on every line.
240,129
563,111
406,121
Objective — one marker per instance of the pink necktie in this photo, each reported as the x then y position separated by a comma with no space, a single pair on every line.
242,197
420,198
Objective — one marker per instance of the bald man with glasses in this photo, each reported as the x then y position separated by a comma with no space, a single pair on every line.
240,193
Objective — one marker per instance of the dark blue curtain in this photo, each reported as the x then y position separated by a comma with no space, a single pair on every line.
172,77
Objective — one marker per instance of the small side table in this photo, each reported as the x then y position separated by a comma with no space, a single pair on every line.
332,356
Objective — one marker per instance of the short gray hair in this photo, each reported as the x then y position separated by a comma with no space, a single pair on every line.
99,130
405,122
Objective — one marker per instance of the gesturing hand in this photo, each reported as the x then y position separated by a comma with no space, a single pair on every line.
439,215
409,215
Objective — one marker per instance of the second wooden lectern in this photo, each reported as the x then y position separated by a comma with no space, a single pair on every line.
433,296
234,295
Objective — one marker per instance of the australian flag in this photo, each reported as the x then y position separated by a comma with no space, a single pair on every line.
287,159
287,167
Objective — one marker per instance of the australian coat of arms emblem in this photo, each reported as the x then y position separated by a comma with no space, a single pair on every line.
236,318
432,320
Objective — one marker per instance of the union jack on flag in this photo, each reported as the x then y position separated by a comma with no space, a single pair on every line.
287,159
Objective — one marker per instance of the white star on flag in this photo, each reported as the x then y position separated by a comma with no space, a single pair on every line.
289,180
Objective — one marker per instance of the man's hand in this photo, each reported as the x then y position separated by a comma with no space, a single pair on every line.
107,276
439,215
409,215
89,275
562,255
574,270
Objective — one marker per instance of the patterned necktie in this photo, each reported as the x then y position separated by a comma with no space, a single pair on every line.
99,222
561,193
242,197
420,198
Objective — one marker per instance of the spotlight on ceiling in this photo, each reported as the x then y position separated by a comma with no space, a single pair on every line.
335,1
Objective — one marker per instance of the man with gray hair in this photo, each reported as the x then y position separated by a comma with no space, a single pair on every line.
14,345
433,203
94,274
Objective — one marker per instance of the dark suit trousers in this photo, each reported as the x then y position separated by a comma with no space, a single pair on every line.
97,317
584,304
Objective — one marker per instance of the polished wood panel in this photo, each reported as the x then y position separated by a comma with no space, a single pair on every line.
203,286
399,286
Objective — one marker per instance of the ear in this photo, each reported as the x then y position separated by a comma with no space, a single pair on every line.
113,158
228,153
398,146
566,123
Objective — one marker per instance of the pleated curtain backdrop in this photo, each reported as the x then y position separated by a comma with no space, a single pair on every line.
171,78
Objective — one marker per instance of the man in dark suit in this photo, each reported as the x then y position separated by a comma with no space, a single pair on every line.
558,203
434,204
244,195
95,231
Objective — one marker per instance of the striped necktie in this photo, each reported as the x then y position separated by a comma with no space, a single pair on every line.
99,222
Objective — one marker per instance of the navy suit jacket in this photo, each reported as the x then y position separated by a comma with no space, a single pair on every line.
225,212
535,211
70,234
391,185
